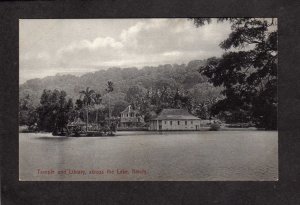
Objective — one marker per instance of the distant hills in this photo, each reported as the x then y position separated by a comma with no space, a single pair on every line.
184,76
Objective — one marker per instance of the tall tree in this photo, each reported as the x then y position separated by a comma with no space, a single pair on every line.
109,89
181,99
27,112
87,100
97,101
204,96
248,69
119,107
134,96
54,110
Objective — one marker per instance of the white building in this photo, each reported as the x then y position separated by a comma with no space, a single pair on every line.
175,119
130,118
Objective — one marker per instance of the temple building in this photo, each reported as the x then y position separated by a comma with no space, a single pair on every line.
175,119
130,118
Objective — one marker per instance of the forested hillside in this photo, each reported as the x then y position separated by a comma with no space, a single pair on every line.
149,90
176,77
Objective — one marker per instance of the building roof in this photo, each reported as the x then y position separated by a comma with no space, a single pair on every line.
129,109
175,114
77,122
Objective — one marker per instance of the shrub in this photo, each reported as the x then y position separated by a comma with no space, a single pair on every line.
214,127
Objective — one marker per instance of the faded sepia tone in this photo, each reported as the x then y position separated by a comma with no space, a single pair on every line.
148,99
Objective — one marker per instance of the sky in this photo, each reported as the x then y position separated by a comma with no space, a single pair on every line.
76,46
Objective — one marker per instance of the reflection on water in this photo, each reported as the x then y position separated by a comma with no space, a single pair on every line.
52,138
200,156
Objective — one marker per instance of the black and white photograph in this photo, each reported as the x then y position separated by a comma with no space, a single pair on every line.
148,99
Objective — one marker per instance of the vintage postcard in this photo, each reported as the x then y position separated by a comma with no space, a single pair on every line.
157,99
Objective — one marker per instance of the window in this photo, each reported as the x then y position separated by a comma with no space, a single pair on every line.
192,122
165,122
127,115
185,122
178,122
170,122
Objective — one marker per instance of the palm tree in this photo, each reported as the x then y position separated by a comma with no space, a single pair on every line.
109,89
87,100
97,101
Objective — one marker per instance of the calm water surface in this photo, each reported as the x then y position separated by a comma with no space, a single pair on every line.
170,156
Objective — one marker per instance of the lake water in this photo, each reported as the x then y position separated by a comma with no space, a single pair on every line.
151,156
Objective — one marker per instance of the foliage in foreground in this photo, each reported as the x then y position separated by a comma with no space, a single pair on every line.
247,71
215,127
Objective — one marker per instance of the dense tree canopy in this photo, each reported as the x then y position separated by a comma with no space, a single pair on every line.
54,110
149,90
149,77
27,112
247,70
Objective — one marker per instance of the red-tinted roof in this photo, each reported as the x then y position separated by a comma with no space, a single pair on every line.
175,114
